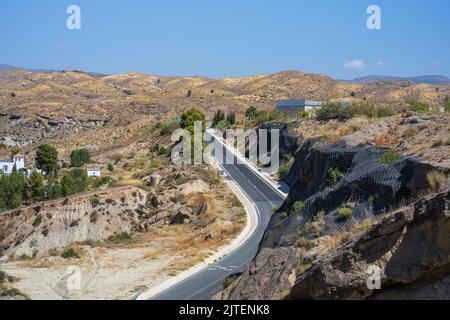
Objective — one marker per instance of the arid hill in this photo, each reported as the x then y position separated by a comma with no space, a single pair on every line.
36,106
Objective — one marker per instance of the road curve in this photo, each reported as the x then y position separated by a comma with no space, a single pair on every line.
204,284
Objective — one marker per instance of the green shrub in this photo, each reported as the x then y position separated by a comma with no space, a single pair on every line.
304,115
162,151
284,169
335,175
219,116
284,215
70,253
231,118
95,201
93,217
305,243
420,107
228,281
447,104
237,202
121,237
37,221
298,206
222,125
79,157
110,167
390,157
345,212
336,111
167,127
437,179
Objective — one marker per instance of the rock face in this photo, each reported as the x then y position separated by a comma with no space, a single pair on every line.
92,217
369,189
288,144
410,247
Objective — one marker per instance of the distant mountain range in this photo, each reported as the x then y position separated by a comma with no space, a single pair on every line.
429,79
7,67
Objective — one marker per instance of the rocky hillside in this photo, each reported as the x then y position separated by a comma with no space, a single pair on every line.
33,231
411,248
51,105
338,192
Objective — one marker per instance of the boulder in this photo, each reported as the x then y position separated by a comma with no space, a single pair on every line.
411,248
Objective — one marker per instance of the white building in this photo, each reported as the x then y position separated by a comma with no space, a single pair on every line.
94,172
7,166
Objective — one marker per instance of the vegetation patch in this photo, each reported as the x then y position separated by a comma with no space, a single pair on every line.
345,212
390,158
70,253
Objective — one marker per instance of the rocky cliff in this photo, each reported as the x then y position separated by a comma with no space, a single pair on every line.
411,248
337,193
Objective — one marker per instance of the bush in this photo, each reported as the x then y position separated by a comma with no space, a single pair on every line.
231,118
390,157
162,151
437,179
305,243
79,157
93,217
298,206
219,116
110,167
335,175
345,212
95,201
221,125
284,169
37,221
189,118
228,281
237,203
168,127
70,253
336,111
447,104
251,113
304,115
121,237
420,107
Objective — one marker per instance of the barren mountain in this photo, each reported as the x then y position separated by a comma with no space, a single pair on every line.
62,106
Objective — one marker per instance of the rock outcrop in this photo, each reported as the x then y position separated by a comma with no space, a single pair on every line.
96,216
411,248
369,189
288,144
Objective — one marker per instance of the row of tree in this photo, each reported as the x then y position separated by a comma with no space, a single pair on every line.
18,187
221,121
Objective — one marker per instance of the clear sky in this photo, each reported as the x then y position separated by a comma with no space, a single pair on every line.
219,38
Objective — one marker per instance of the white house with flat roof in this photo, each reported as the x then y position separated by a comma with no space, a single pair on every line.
298,105
94,172
7,166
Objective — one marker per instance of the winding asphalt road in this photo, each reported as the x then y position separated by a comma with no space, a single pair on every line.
204,284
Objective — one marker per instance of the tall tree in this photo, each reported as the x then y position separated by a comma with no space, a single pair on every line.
79,157
219,115
189,118
47,159
35,186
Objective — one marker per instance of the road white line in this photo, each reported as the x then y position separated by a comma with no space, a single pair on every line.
253,218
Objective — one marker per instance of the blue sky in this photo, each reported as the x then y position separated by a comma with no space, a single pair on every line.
229,37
